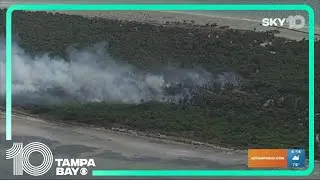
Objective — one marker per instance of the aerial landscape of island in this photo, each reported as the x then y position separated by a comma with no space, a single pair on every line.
191,81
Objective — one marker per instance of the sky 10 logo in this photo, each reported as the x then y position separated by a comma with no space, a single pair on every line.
294,22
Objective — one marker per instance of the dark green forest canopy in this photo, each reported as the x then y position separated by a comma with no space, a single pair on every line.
227,119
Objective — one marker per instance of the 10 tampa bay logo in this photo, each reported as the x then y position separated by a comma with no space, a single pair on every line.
20,155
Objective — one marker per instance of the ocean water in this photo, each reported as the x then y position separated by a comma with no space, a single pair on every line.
254,16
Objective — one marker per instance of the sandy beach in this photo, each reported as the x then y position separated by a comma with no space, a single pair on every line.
172,17
163,17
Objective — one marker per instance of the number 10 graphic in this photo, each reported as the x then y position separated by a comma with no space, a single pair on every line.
21,155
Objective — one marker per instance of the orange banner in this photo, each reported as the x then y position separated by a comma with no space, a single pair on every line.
267,158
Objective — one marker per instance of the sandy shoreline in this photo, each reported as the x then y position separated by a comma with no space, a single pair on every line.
144,135
163,17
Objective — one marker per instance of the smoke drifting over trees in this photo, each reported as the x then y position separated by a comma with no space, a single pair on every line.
93,75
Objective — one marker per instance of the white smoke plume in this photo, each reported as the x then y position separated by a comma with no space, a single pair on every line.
93,75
